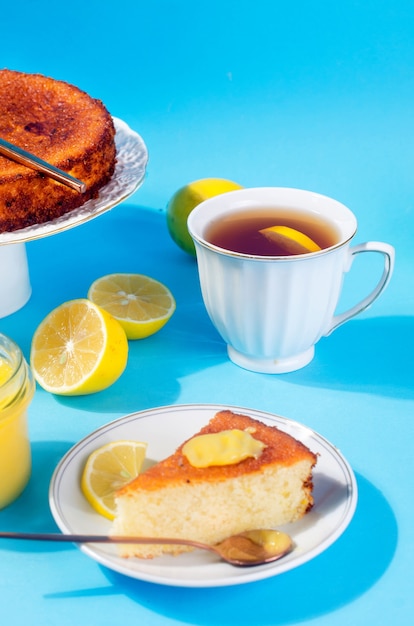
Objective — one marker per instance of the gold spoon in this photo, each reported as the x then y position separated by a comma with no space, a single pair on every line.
23,157
253,547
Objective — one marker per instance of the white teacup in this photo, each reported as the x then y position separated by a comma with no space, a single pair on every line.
272,310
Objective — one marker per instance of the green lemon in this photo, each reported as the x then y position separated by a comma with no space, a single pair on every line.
185,200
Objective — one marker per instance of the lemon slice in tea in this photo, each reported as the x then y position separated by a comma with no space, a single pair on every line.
290,239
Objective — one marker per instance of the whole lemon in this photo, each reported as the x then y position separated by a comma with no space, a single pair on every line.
185,200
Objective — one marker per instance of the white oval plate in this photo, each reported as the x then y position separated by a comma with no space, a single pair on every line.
132,158
164,429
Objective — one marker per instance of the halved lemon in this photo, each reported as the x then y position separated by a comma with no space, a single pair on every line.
290,239
141,304
78,349
109,468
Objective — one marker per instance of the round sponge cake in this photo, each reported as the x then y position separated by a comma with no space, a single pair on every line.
62,125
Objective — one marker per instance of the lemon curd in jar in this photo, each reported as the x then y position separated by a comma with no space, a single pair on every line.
16,392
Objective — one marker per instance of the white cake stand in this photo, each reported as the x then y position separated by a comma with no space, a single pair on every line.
132,158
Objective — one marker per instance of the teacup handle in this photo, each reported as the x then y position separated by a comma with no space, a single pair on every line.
389,256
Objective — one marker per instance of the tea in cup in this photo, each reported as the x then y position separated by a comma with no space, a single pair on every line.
271,264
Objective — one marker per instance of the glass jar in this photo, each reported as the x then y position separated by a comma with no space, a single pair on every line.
16,391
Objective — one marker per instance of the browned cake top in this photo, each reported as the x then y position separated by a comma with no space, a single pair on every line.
281,449
50,118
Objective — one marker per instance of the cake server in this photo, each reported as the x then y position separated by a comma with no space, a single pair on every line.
254,547
23,157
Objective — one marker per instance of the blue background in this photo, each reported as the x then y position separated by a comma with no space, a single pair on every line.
316,95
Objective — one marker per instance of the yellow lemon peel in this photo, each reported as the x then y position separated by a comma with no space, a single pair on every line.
78,349
142,305
292,240
185,200
109,468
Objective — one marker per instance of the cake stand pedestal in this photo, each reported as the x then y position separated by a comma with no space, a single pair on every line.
15,289
132,158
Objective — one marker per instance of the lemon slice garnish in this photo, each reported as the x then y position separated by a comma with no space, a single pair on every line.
290,239
109,468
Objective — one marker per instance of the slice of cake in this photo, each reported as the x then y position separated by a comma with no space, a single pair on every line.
244,475
62,125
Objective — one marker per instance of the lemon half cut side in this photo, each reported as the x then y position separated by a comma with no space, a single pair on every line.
142,305
78,349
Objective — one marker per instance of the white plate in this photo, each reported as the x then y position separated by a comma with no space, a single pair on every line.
132,157
164,429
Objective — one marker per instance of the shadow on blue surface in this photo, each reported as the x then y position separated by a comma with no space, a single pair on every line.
370,355
367,355
139,243
30,512
337,577
160,361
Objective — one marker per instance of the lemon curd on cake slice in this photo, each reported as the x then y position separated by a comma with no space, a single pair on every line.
236,474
